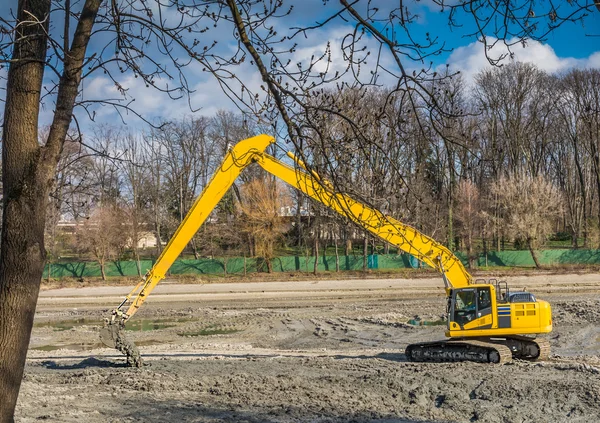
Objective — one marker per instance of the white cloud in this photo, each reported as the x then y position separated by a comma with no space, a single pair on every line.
471,59
594,60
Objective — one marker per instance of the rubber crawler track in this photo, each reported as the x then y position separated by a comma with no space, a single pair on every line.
463,350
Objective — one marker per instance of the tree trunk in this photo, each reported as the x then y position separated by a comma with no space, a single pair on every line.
316,253
138,264
158,239
299,229
470,256
103,270
365,254
28,172
22,251
347,241
337,255
269,265
195,249
534,255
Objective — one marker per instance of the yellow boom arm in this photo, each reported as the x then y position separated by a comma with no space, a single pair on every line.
251,150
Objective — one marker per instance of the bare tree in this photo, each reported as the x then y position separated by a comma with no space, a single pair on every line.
135,167
468,215
580,110
189,160
70,195
102,235
105,174
530,207
261,205
155,166
519,99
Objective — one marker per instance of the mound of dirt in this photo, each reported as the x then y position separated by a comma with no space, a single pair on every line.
576,312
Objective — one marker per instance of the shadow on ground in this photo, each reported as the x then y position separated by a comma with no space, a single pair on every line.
85,364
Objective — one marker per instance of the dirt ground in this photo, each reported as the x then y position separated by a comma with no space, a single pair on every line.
326,351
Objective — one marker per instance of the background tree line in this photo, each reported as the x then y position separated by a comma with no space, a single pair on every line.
511,159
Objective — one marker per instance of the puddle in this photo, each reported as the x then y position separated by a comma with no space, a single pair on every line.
208,332
90,346
144,325
68,324
139,325
419,322
73,347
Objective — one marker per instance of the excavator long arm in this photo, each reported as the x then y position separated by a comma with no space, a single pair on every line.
235,161
385,227
251,150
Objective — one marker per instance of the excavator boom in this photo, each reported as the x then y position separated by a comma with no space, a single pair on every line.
250,151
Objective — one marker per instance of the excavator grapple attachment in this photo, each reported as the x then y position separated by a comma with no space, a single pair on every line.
112,334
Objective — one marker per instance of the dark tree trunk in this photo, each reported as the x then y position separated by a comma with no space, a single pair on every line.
138,263
195,249
347,241
269,265
299,229
534,255
316,252
471,257
365,254
337,253
28,172
22,252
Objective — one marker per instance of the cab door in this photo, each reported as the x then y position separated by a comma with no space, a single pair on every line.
472,308
484,308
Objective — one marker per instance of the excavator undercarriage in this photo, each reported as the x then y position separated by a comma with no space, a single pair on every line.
480,350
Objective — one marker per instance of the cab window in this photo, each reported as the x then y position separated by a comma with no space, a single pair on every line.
464,306
484,299
465,300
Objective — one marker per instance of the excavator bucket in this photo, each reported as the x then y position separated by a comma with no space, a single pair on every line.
107,335
112,334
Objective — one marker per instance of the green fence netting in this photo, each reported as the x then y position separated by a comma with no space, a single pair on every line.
240,265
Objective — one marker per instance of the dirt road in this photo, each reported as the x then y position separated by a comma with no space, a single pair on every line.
326,351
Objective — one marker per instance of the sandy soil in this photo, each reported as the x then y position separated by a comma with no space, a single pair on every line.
327,351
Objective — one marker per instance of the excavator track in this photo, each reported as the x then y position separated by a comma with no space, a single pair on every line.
544,345
458,350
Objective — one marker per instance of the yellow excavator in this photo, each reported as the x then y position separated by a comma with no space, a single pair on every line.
486,321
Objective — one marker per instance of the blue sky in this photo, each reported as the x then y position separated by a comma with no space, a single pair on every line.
571,45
